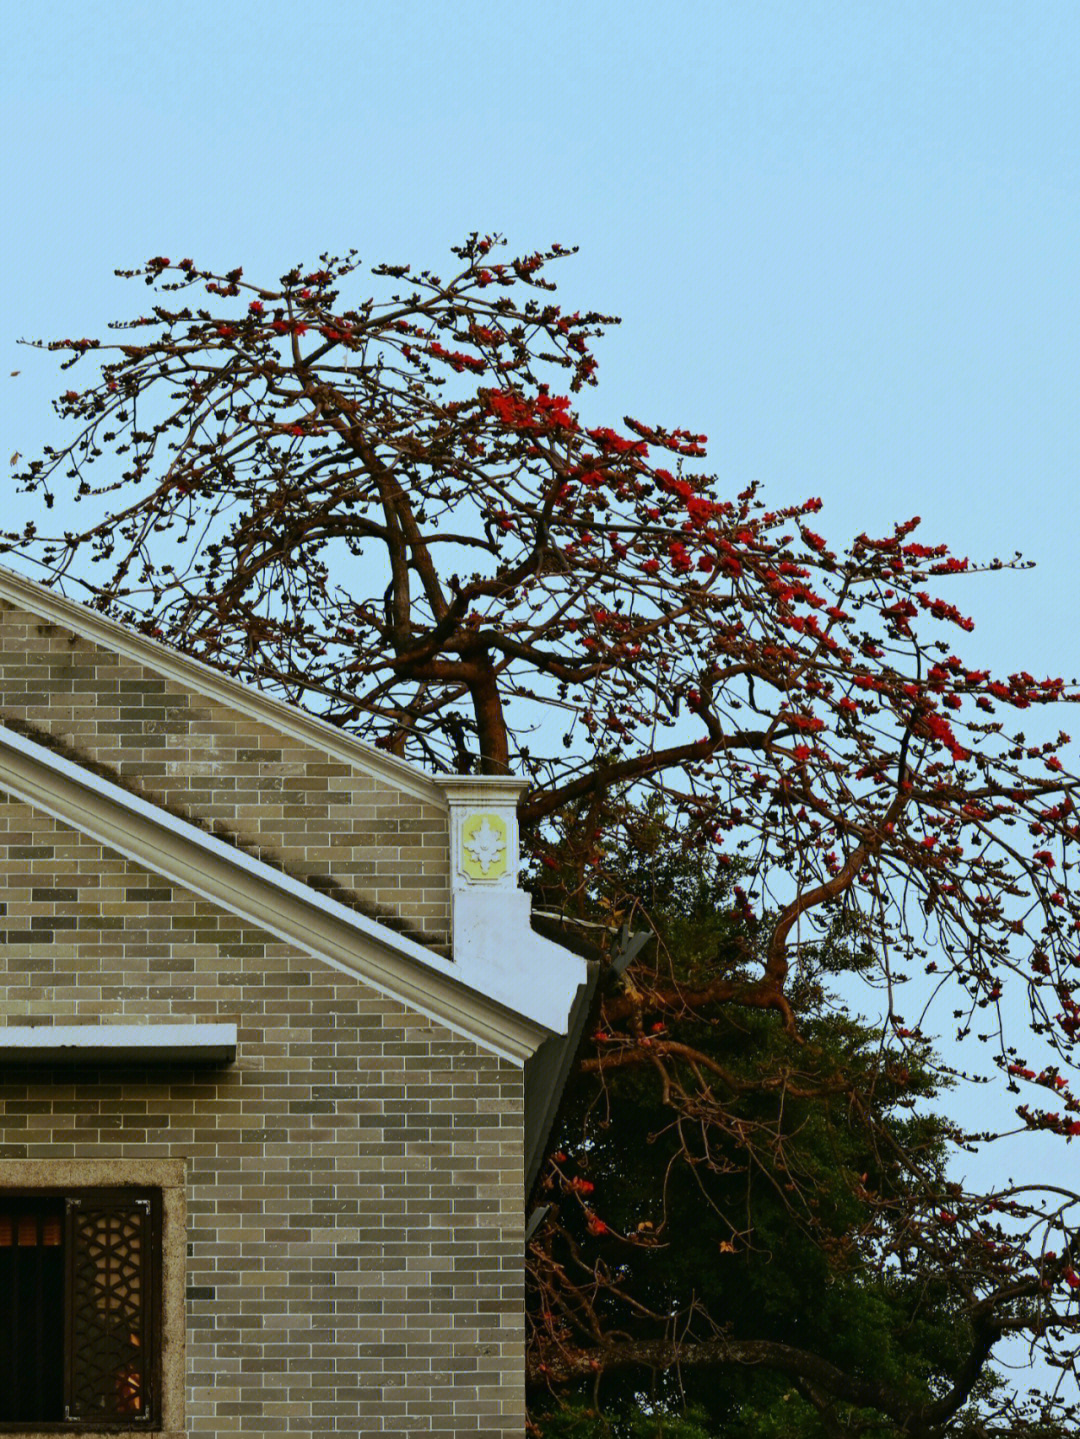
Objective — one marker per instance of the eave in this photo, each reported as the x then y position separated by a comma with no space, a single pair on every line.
117,1043
511,1025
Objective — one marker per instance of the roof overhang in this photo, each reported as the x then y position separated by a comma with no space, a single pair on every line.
117,1043
509,1016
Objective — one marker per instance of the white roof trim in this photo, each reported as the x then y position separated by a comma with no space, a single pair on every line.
48,605
117,1043
499,1012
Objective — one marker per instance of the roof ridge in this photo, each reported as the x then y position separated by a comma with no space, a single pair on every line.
19,590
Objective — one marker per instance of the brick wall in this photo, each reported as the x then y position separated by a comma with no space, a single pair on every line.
354,1238
324,821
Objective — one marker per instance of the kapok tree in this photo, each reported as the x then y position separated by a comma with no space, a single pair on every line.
393,511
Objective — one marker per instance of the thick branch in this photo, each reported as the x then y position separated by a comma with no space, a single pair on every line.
754,1353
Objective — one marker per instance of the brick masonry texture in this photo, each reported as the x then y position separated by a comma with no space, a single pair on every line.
354,1242
325,822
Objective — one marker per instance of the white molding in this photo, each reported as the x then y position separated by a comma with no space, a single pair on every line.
469,796
491,917
507,1007
117,1043
482,790
192,674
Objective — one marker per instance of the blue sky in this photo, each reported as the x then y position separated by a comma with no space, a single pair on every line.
843,236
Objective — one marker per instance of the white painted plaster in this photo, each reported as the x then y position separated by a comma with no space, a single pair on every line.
492,932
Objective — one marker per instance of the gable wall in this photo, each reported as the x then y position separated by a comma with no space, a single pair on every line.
324,821
353,1182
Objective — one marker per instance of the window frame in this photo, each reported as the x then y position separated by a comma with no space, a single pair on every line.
151,1267
165,1178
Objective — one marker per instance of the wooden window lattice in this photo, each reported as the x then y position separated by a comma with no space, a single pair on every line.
108,1311
90,1333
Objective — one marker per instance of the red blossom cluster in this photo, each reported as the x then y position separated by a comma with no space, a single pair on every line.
458,360
542,412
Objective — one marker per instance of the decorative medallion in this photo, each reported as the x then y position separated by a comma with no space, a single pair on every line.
483,846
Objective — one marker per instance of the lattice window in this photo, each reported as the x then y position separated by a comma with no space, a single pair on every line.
79,1310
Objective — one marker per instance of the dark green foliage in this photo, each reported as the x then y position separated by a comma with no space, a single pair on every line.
763,1201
